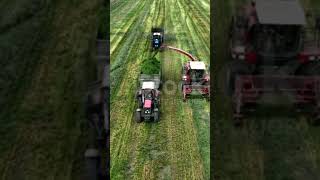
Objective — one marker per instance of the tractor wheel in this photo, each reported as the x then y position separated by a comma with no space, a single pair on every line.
156,116
140,103
227,76
138,117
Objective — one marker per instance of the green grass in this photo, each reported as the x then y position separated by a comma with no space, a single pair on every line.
46,68
150,66
170,148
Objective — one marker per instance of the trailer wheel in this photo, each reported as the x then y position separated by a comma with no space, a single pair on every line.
138,116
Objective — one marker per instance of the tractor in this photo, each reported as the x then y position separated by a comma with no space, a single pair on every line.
195,78
274,50
148,97
157,35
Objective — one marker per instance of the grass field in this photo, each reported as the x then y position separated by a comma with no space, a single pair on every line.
177,147
45,51
271,145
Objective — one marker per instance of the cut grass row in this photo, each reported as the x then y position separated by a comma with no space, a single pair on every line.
121,128
162,150
200,108
120,57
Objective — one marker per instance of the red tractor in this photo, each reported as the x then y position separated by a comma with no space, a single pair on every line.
195,78
274,50
148,97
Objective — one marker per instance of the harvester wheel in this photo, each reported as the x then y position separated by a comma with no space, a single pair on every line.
184,95
228,75
138,116
310,69
184,98
156,116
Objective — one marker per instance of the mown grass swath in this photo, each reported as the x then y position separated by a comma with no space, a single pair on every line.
169,149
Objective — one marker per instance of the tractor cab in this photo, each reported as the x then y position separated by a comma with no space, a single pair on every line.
156,40
148,98
157,37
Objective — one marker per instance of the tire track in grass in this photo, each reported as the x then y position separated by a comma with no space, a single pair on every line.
180,135
130,74
126,52
162,150
121,5
199,32
198,105
150,150
126,146
127,26
123,24
180,143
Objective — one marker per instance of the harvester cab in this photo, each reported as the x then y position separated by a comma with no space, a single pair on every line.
272,52
195,77
148,98
268,32
157,38
194,72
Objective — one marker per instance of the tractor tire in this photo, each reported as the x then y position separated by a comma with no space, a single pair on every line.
227,76
138,117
